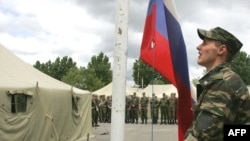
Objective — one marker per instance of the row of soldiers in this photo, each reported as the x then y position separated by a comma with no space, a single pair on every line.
135,107
101,109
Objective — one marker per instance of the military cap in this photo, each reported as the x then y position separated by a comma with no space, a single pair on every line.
219,34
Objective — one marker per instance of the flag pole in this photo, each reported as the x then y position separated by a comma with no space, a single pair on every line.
119,70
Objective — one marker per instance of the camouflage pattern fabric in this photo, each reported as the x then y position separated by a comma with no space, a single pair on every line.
144,109
224,100
134,109
164,105
127,110
154,104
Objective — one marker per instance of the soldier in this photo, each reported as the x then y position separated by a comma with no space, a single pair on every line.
127,108
154,109
144,108
164,105
225,97
134,108
172,108
109,108
95,109
103,109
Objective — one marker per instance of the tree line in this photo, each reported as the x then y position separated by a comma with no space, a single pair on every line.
98,72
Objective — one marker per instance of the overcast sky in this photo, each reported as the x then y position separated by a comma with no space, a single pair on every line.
46,29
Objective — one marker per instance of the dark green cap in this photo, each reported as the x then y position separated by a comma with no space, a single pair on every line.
219,34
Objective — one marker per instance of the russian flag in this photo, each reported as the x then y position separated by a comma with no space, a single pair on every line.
164,49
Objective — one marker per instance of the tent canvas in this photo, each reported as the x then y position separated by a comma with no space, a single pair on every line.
35,106
158,90
107,90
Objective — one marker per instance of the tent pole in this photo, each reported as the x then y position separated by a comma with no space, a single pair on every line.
119,70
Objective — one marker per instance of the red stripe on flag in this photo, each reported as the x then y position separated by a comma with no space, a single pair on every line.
162,61
168,57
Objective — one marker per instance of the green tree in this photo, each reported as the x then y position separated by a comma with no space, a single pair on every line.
82,78
143,75
102,68
56,69
92,82
241,65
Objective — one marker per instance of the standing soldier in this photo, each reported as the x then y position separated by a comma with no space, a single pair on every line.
163,104
103,109
144,108
109,105
172,108
95,109
134,108
127,110
154,109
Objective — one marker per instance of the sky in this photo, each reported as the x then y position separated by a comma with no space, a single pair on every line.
46,29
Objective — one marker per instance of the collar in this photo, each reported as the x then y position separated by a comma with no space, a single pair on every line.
214,74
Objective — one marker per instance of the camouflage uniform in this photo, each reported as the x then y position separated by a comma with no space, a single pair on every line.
164,105
144,108
172,109
134,108
95,109
103,109
154,109
109,108
128,107
224,98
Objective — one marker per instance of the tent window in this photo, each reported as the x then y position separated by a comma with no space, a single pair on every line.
75,101
18,103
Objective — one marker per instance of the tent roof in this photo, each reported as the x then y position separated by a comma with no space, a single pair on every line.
160,89
18,74
107,90
157,89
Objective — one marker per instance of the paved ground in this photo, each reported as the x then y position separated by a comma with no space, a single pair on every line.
138,132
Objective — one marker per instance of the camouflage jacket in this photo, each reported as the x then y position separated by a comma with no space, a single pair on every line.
224,100
154,103
135,102
164,102
172,102
144,102
128,103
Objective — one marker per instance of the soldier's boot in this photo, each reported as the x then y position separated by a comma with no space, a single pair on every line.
146,121
142,121
137,121
161,122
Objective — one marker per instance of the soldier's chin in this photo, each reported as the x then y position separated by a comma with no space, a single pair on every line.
200,62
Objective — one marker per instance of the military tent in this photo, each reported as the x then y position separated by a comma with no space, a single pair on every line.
158,90
37,107
107,90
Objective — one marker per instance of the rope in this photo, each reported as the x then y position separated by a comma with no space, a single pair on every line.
47,115
153,45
